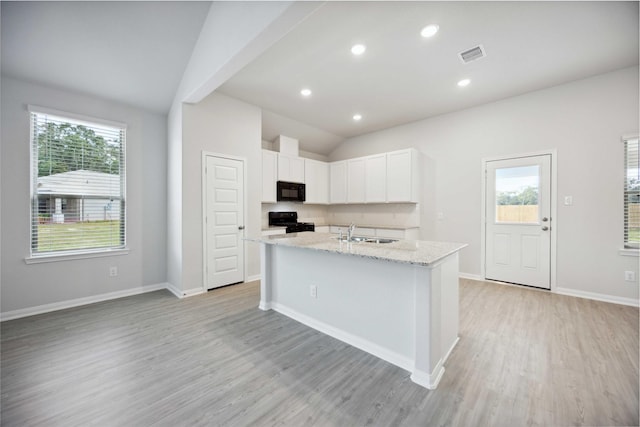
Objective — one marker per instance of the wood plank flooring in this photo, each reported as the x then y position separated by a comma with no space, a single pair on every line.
525,357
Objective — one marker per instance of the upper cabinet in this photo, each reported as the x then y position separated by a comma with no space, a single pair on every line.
290,168
338,182
269,176
403,178
356,180
381,178
316,178
375,175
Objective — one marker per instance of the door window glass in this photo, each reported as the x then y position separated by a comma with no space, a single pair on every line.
517,191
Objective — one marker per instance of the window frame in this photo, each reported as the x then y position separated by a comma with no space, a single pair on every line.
628,248
51,256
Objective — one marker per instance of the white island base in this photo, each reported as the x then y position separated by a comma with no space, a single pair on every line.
404,313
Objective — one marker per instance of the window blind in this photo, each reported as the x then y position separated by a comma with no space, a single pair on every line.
631,194
78,184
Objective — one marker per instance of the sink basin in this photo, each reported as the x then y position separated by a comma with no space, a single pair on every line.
359,239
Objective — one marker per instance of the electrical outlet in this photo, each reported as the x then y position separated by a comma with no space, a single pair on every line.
630,276
113,271
313,291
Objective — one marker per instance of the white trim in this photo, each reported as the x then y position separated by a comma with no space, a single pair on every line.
186,293
431,380
553,153
69,256
81,117
353,340
571,293
598,297
628,136
253,278
47,308
629,252
203,199
471,276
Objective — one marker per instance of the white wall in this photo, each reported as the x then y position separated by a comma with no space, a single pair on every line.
222,125
584,121
26,286
233,34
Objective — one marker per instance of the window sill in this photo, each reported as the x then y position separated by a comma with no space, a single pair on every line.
629,252
37,259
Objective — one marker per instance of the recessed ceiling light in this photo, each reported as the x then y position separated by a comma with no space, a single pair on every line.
305,92
358,49
357,117
464,82
429,30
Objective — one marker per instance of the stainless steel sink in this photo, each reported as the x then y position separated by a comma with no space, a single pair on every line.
360,239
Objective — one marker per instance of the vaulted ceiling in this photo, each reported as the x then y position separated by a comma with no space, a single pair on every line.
136,53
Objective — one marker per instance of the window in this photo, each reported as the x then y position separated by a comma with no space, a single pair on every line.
631,193
78,184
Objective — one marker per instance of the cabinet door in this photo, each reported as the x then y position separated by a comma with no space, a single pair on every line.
296,171
316,178
356,180
376,178
401,174
338,182
269,173
290,169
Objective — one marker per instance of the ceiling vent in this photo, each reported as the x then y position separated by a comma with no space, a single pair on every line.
472,54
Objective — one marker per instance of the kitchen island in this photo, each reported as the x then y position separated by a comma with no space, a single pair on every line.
397,300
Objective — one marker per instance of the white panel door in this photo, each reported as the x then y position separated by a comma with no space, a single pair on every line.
224,221
518,221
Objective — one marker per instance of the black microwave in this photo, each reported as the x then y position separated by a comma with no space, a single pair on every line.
290,192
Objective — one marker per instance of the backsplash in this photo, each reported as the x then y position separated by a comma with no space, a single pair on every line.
392,215
306,213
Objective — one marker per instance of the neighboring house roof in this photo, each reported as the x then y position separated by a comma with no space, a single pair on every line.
80,183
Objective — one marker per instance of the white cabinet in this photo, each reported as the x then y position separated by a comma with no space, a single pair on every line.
375,176
316,178
290,169
338,182
356,180
269,176
402,176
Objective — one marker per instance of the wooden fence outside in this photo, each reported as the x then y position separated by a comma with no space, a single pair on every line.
529,213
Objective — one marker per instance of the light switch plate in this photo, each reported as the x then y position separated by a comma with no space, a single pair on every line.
568,200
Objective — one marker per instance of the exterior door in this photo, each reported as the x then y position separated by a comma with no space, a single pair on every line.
224,221
518,221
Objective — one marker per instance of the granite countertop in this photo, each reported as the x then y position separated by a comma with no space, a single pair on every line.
418,252
387,227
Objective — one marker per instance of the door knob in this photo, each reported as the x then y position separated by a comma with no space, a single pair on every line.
545,228
241,227
545,219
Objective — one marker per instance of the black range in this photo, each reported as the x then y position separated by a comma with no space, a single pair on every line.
289,220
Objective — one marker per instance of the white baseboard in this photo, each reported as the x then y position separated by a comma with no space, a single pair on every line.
46,308
361,343
470,276
567,291
253,278
186,293
598,297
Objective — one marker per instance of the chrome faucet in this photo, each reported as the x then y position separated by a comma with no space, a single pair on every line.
352,227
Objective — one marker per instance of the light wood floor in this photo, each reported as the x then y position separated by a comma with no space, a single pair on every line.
525,357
